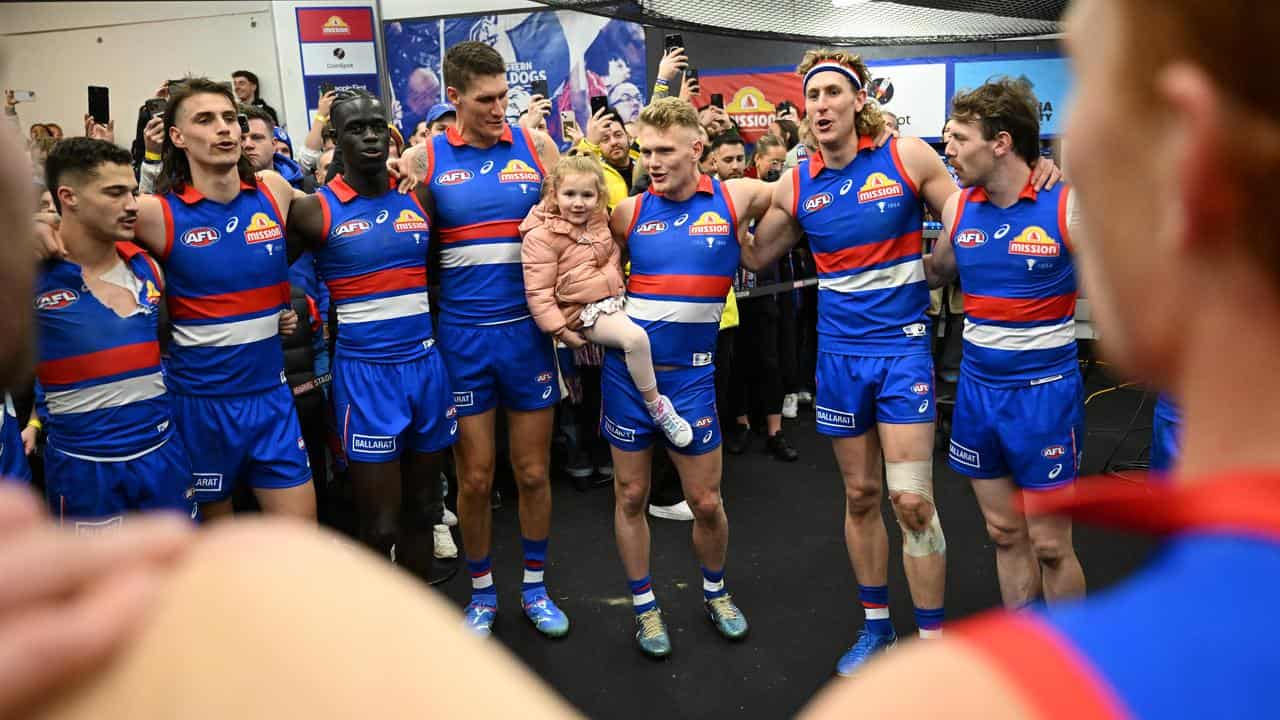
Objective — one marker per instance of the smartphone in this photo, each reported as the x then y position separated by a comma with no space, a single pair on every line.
691,73
244,123
24,95
99,105
673,40
540,88
567,120
717,99
598,103
326,88
154,106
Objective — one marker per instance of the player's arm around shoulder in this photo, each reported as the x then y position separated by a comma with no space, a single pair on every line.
150,232
940,265
280,189
776,228
927,172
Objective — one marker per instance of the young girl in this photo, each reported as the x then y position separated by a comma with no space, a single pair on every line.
573,280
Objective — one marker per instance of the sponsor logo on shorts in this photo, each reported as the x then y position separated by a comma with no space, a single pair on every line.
701,359
653,227
1046,381
453,428
624,434
923,407
1053,452
262,229
1055,472
373,443
351,228
283,379
920,388
543,378
704,421
206,482
454,177
814,203
834,418
99,527
971,238
546,393
162,426
200,237
965,456
301,444
915,330
463,399
452,412
56,299
707,437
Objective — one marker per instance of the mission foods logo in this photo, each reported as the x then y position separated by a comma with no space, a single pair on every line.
410,221
1034,242
818,202
653,227
351,228
56,299
750,109
879,187
710,223
454,177
200,237
335,26
262,229
518,171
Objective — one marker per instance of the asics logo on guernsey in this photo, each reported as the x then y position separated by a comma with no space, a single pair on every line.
200,237
56,299
879,186
233,223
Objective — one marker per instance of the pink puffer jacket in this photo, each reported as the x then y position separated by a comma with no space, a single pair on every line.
565,269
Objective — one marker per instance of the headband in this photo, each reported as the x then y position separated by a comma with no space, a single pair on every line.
832,65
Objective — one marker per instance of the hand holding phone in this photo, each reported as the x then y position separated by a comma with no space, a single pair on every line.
672,40
154,106
540,88
99,105
24,96
568,126
717,99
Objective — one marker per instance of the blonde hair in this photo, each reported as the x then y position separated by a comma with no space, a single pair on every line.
569,166
868,122
668,112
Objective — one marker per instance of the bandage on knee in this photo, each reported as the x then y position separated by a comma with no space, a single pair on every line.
916,477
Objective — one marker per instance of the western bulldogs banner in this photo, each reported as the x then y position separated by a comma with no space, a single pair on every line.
578,55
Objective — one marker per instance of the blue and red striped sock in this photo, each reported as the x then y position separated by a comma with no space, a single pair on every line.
642,597
875,606
535,558
483,591
930,622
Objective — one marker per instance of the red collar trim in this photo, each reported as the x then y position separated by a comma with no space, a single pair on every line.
1028,192
190,195
704,186
1240,502
817,164
345,193
455,138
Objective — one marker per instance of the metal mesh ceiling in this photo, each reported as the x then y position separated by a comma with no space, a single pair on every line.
873,22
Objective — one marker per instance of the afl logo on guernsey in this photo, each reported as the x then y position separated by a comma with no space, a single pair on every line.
817,202
56,299
879,187
200,237
351,228
653,227
1034,242
262,229
710,223
518,171
454,177
971,238
410,221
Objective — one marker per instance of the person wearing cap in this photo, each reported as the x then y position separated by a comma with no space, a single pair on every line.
284,144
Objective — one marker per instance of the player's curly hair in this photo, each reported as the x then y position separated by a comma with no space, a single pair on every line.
869,122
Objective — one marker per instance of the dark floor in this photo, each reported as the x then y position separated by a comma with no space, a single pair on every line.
787,569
